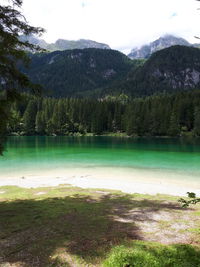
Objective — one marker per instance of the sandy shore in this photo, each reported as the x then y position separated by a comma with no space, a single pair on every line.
128,180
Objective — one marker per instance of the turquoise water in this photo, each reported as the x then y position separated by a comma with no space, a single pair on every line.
45,153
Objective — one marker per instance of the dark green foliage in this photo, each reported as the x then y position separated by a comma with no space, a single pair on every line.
15,121
159,115
29,117
197,121
12,24
174,128
192,200
40,123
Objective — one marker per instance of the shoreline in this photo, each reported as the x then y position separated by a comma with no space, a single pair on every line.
187,135
126,180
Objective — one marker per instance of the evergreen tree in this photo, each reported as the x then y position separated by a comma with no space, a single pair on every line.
14,124
117,117
197,121
155,118
131,121
12,25
40,123
56,123
29,117
110,122
97,122
174,127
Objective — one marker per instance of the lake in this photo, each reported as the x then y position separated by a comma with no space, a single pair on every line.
181,155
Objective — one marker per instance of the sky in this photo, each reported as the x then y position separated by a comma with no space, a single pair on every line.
122,24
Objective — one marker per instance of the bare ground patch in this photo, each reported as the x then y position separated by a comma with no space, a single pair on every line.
167,224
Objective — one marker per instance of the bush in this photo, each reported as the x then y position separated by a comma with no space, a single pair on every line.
125,257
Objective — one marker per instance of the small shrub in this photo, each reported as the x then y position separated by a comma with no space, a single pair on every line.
123,257
192,200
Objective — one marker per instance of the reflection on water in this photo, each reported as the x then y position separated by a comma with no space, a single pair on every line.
64,152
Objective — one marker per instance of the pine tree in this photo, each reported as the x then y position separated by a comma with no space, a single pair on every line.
40,123
97,122
197,121
56,123
131,120
14,125
29,117
174,127
117,117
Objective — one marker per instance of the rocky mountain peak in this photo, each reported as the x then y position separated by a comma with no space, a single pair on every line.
163,42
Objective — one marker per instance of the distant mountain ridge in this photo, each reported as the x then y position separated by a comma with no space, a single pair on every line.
62,44
163,42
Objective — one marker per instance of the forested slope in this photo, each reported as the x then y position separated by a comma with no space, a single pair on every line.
73,72
172,69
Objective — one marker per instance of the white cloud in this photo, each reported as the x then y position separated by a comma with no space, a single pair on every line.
122,24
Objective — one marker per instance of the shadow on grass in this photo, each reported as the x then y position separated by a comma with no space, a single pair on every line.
34,230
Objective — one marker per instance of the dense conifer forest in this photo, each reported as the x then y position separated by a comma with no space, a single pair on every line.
159,115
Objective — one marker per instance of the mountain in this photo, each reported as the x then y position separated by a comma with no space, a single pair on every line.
77,72
62,44
33,40
172,69
96,73
163,42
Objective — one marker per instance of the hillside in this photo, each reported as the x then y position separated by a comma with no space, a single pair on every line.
163,42
62,44
171,69
73,72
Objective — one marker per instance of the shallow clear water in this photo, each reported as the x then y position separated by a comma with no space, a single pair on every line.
46,153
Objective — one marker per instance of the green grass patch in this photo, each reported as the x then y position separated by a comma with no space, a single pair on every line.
153,255
197,213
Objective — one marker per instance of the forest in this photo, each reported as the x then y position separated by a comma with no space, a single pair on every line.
164,114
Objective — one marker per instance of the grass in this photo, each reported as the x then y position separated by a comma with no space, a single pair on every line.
153,255
66,226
